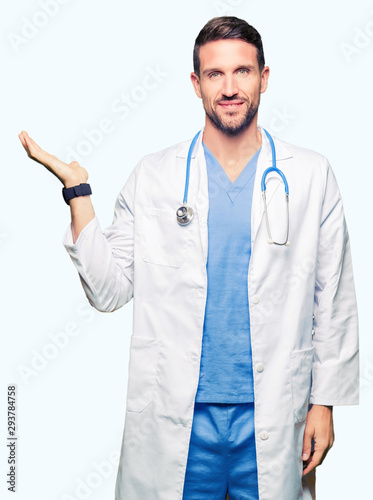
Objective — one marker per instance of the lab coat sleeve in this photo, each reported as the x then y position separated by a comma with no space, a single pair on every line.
335,376
105,260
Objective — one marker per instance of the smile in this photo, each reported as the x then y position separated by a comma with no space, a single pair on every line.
230,105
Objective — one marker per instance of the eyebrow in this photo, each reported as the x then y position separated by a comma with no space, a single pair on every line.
242,66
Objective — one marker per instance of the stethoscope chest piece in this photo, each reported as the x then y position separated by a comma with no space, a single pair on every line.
184,215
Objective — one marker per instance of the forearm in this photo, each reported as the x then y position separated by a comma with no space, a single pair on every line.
104,260
82,213
81,208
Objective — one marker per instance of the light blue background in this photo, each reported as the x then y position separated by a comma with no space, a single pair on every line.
65,80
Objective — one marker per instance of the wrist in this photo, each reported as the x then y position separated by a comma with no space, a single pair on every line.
323,407
71,182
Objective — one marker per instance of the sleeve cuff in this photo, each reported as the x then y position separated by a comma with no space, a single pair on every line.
67,239
334,402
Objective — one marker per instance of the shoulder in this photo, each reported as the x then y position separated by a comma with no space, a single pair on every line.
300,152
305,164
178,150
309,168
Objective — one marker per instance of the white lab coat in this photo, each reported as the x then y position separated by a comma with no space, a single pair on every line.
303,314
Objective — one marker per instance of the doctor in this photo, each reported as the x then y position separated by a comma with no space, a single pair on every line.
240,347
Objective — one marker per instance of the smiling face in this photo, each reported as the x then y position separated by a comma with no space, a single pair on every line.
230,84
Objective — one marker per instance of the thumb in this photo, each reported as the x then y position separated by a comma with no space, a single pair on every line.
307,446
74,164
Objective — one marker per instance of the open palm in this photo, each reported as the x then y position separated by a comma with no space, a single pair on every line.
69,174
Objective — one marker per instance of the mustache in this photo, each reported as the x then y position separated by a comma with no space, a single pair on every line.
234,97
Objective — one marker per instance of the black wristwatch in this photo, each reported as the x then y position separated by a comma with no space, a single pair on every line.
74,191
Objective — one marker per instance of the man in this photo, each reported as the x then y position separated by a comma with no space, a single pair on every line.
240,348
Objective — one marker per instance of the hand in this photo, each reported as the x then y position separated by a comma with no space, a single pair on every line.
319,427
70,174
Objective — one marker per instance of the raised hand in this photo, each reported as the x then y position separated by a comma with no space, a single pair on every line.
70,174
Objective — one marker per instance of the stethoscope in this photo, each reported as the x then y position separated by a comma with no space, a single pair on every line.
184,214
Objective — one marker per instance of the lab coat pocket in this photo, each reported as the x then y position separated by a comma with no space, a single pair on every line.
162,241
144,354
301,378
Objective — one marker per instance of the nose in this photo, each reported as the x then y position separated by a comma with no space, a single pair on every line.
230,87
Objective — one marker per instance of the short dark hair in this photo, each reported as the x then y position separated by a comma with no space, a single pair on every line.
225,28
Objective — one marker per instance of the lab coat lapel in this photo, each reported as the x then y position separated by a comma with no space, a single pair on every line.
199,186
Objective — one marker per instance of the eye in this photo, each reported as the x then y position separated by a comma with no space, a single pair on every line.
243,71
214,74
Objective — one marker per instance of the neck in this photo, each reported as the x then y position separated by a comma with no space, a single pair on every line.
228,148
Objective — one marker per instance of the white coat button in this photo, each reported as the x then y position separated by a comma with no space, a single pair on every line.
256,299
259,367
264,435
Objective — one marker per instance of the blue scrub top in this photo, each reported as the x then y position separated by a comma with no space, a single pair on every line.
226,362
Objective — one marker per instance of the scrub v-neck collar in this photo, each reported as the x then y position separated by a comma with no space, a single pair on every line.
231,188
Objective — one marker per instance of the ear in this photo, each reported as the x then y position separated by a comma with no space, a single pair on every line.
196,84
264,79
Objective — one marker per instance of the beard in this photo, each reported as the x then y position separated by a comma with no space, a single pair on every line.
233,129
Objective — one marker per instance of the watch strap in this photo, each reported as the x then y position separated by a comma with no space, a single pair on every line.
74,191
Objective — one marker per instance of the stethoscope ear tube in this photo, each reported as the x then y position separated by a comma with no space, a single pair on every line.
281,174
263,185
184,214
189,159
270,239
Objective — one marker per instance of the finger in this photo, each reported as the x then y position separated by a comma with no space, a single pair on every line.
35,152
22,139
32,143
26,142
307,445
314,462
307,462
27,148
